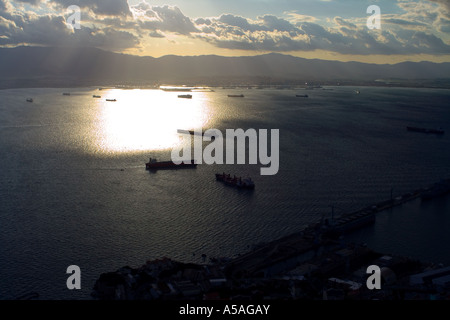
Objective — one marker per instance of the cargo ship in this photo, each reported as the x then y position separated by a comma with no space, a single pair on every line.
235,95
425,130
246,183
153,164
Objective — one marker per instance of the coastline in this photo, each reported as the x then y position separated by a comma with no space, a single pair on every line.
280,84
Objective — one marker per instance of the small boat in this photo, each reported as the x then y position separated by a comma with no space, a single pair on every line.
66,93
29,100
246,183
357,92
95,96
153,164
111,100
301,95
425,130
185,96
235,95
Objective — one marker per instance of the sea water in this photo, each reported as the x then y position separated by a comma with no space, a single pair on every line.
74,189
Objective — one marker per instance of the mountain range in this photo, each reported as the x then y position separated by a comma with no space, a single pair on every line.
64,66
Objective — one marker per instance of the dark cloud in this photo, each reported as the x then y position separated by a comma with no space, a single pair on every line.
200,21
444,14
444,3
111,22
344,23
165,18
404,22
444,25
5,27
106,38
273,23
5,7
429,43
45,30
270,33
32,2
240,22
53,31
156,34
101,7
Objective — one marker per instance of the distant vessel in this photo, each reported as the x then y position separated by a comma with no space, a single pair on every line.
111,100
425,130
235,95
66,93
301,95
29,100
94,96
438,189
170,88
185,96
153,164
246,183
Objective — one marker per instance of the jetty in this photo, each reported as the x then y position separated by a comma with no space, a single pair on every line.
290,250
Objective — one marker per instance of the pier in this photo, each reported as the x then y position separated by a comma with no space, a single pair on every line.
288,251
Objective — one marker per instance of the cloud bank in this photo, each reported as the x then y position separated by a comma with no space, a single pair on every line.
421,27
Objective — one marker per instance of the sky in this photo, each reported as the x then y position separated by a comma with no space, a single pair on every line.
409,30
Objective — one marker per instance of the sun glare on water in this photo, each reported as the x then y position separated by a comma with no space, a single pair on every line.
141,120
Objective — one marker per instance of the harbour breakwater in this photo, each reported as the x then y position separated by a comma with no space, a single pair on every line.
313,255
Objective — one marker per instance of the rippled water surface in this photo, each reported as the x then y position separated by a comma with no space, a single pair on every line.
74,189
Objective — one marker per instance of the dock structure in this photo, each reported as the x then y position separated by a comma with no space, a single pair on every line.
284,253
281,253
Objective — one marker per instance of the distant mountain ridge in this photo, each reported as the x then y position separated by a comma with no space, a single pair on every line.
28,66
